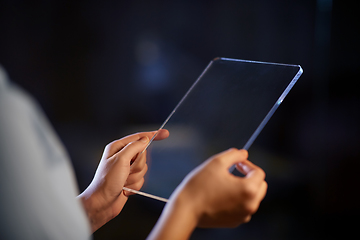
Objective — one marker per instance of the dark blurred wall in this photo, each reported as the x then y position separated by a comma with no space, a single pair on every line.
101,69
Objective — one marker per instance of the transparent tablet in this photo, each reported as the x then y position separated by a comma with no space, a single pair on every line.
227,106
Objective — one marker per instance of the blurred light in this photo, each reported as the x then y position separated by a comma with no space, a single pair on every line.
147,52
152,69
324,5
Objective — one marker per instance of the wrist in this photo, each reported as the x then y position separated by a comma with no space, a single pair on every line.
178,219
97,211
186,204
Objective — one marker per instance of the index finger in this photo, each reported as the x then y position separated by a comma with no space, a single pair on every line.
161,134
117,145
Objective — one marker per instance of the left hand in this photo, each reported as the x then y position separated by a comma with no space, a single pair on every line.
122,164
210,196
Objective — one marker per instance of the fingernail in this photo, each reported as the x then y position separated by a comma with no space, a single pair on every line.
244,167
144,139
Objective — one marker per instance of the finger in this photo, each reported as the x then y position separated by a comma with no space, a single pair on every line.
251,170
232,156
247,219
255,202
262,191
130,151
120,167
117,145
243,168
138,163
135,186
162,134
135,177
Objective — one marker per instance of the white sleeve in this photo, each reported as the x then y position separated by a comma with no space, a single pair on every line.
37,183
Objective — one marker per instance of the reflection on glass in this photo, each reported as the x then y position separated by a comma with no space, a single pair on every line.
227,106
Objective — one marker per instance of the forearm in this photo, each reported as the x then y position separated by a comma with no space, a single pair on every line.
177,222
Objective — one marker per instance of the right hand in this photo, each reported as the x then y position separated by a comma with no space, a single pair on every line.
217,198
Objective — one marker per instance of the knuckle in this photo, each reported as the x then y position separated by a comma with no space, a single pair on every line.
251,209
217,159
108,147
262,172
113,146
244,153
220,157
265,185
250,190
247,219
146,167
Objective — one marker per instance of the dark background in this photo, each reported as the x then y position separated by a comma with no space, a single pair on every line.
103,69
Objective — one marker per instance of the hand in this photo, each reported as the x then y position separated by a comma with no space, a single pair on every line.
220,199
122,164
210,196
